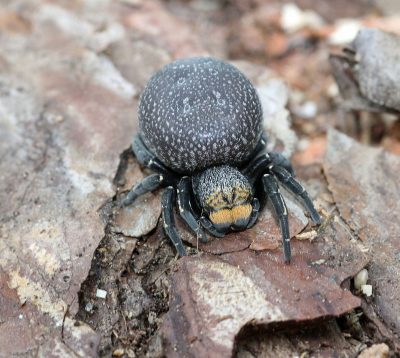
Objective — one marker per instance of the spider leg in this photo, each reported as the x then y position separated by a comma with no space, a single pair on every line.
149,160
259,149
278,159
271,189
209,226
150,183
186,210
260,146
257,166
167,203
296,188
254,213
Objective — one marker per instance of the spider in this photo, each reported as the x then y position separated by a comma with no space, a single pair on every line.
201,133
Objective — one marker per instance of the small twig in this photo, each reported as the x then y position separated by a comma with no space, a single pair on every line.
64,317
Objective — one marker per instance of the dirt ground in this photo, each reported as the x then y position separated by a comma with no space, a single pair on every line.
79,276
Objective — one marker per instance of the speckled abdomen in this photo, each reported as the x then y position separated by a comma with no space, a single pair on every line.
200,112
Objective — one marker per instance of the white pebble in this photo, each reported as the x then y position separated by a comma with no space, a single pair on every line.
307,110
101,293
308,235
319,262
294,19
366,290
89,307
360,279
333,90
345,32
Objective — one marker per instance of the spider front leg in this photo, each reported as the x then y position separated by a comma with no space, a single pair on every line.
254,213
271,190
186,209
148,184
296,188
167,204
209,226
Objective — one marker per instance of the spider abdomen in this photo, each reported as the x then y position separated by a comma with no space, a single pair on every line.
200,112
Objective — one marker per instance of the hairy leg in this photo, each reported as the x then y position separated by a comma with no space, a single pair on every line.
258,166
149,160
209,226
148,184
278,159
260,146
254,213
271,189
167,203
186,209
296,188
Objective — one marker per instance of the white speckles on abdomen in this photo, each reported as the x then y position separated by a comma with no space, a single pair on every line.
205,108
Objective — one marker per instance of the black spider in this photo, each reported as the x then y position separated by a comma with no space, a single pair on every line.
200,131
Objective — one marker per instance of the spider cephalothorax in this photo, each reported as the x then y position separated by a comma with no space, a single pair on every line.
200,131
225,195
